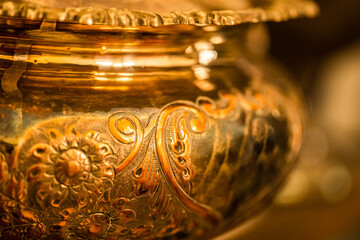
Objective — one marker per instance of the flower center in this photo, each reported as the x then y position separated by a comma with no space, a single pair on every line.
99,224
72,167
93,226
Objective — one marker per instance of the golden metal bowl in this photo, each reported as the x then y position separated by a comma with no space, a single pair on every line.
134,124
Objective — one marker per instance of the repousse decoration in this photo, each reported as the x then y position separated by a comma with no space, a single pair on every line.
70,179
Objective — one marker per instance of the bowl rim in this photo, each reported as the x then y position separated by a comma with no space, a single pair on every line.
98,18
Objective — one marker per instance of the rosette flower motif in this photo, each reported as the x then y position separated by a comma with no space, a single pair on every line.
71,167
106,220
19,223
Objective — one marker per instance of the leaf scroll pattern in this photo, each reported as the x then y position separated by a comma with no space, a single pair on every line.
165,144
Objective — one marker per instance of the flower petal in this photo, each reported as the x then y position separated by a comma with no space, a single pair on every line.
91,135
36,172
42,152
71,130
54,134
119,203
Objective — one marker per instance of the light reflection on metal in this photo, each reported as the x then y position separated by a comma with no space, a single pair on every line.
124,64
207,56
201,72
189,50
101,78
105,63
126,74
217,39
124,79
104,49
203,46
205,85
116,64
99,73
89,21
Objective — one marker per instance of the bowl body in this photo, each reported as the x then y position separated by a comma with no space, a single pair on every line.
176,132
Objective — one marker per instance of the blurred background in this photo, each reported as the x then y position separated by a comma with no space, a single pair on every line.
321,199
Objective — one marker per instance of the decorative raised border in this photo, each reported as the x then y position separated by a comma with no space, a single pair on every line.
277,11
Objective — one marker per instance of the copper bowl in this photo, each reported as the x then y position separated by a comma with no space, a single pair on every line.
134,124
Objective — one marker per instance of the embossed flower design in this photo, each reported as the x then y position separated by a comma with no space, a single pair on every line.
71,167
103,221
19,223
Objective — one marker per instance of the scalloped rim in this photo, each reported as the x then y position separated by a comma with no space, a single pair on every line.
278,11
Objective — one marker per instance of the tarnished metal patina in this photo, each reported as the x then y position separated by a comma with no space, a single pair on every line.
122,131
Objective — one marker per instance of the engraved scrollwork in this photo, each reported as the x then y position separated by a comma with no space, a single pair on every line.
165,144
126,128
227,107
178,170
146,175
